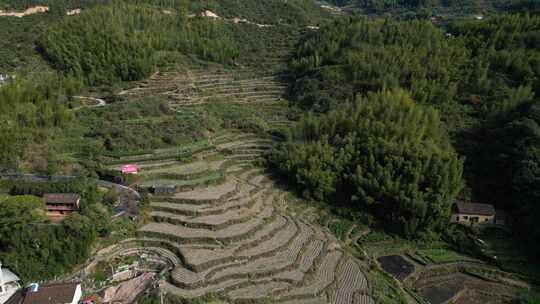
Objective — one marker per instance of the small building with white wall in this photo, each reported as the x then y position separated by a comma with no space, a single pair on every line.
473,213
9,284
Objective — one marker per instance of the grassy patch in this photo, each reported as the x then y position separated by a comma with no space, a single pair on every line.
440,255
384,289
185,183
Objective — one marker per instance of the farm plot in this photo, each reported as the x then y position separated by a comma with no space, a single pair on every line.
231,86
185,170
231,239
211,178
454,282
396,265
443,292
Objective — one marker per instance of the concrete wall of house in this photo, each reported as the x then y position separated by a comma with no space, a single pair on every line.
471,219
77,296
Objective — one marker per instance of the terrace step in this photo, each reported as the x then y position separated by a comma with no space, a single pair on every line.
202,259
199,292
277,241
245,143
318,300
214,221
306,262
351,280
212,193
362,299
257,291
186,278
186,170
182,234
168,255
245,198
271,264
323,278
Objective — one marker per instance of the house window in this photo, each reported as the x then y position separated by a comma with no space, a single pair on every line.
474,219
465,217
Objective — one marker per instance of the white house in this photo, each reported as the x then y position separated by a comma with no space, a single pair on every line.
9,284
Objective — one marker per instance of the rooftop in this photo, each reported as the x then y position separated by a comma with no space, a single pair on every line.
61,198
9,276
475,208
52,294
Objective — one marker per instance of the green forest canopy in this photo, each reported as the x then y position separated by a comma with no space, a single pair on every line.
382,152
471,6
483,77
120,41
33,247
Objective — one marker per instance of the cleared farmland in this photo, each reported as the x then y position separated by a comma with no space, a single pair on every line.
231,238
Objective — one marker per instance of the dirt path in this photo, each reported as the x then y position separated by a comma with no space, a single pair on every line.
99,102
28,11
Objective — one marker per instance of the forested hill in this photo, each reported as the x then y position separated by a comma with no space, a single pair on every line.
482,76
406,9
115,41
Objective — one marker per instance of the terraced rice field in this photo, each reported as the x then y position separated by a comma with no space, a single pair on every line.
232,239
198,86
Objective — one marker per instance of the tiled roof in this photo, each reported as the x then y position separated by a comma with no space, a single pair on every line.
61,198
475,209
52,294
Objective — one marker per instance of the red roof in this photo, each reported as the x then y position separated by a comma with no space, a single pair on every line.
130,169
52,294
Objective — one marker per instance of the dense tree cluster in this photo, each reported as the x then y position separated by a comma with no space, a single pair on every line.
358,55
120,41
295,12
382,152
32,110
483,76
36,249
380,6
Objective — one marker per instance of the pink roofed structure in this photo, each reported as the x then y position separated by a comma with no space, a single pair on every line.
130,169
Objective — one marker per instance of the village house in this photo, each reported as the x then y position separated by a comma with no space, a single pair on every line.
473,213
9,284
61,204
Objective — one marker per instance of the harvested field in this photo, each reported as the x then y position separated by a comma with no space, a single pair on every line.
211,193
396,265
180,183
279,240
229,239
443,292
319,300
351,280
187,169
442,283
185,234
257,291
362,299
324,277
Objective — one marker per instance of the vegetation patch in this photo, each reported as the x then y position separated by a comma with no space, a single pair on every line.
383,153
396,265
